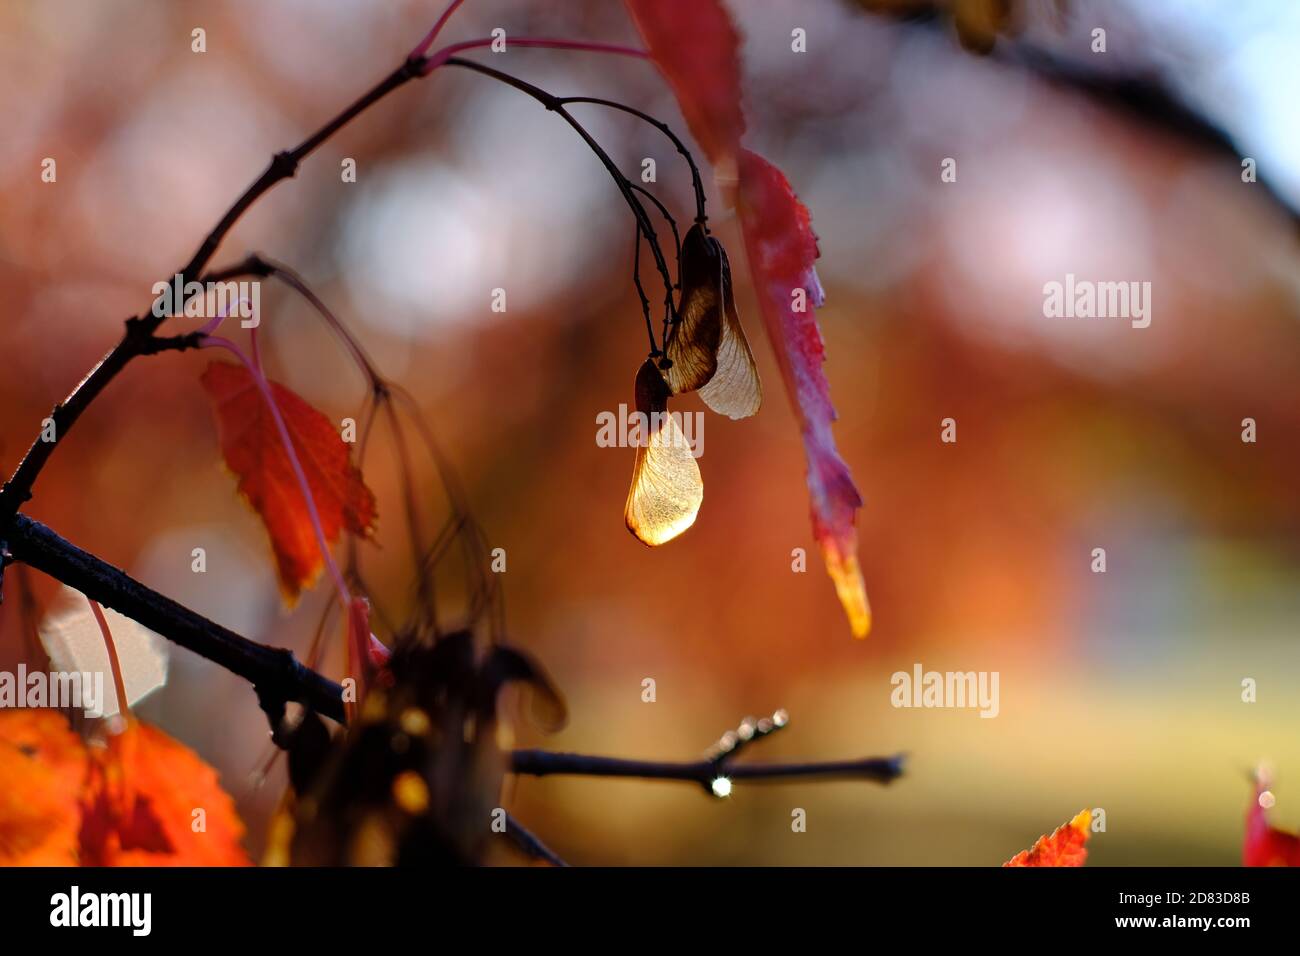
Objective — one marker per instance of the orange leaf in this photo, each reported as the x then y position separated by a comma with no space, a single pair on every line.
1065,847
1266,845
252,449
141,803
129,803
43,769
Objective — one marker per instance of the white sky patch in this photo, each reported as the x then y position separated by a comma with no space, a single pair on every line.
1244,76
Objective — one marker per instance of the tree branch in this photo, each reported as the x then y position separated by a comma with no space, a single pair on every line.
139,336
278,676
556,105
526,841
663,127
541,763
274,672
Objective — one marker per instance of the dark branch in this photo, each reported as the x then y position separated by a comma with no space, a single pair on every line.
529,843
277,676
640,291
258,265
696,182
284,165
541,763
672,224
139,337
556,105
274,672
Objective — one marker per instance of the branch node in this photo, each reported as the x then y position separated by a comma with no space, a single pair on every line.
284,164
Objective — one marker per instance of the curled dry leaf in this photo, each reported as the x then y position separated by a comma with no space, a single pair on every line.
707,346
1064,847
666,490
1266,845
252,449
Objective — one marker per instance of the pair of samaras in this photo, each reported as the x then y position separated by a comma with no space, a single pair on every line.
706,351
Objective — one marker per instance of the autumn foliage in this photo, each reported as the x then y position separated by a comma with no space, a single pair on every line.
138,798
1064,846
252,448
123,793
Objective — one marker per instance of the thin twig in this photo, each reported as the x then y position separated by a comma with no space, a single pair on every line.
672,224
556,105
542,763
139,336
663,127
529,843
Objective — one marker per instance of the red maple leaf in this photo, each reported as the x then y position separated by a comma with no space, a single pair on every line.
694,43
697,49
253,450
1064,847
781,247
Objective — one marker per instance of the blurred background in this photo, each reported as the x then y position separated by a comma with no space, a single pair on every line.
1119,690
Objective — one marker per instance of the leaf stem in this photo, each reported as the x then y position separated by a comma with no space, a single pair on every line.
139,338
422,47
114,664
663,127
273,671
447,53
555,105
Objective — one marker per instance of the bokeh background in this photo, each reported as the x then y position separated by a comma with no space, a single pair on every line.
1119,690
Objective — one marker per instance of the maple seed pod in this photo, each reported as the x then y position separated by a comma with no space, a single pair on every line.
666,490
706,348
692,346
